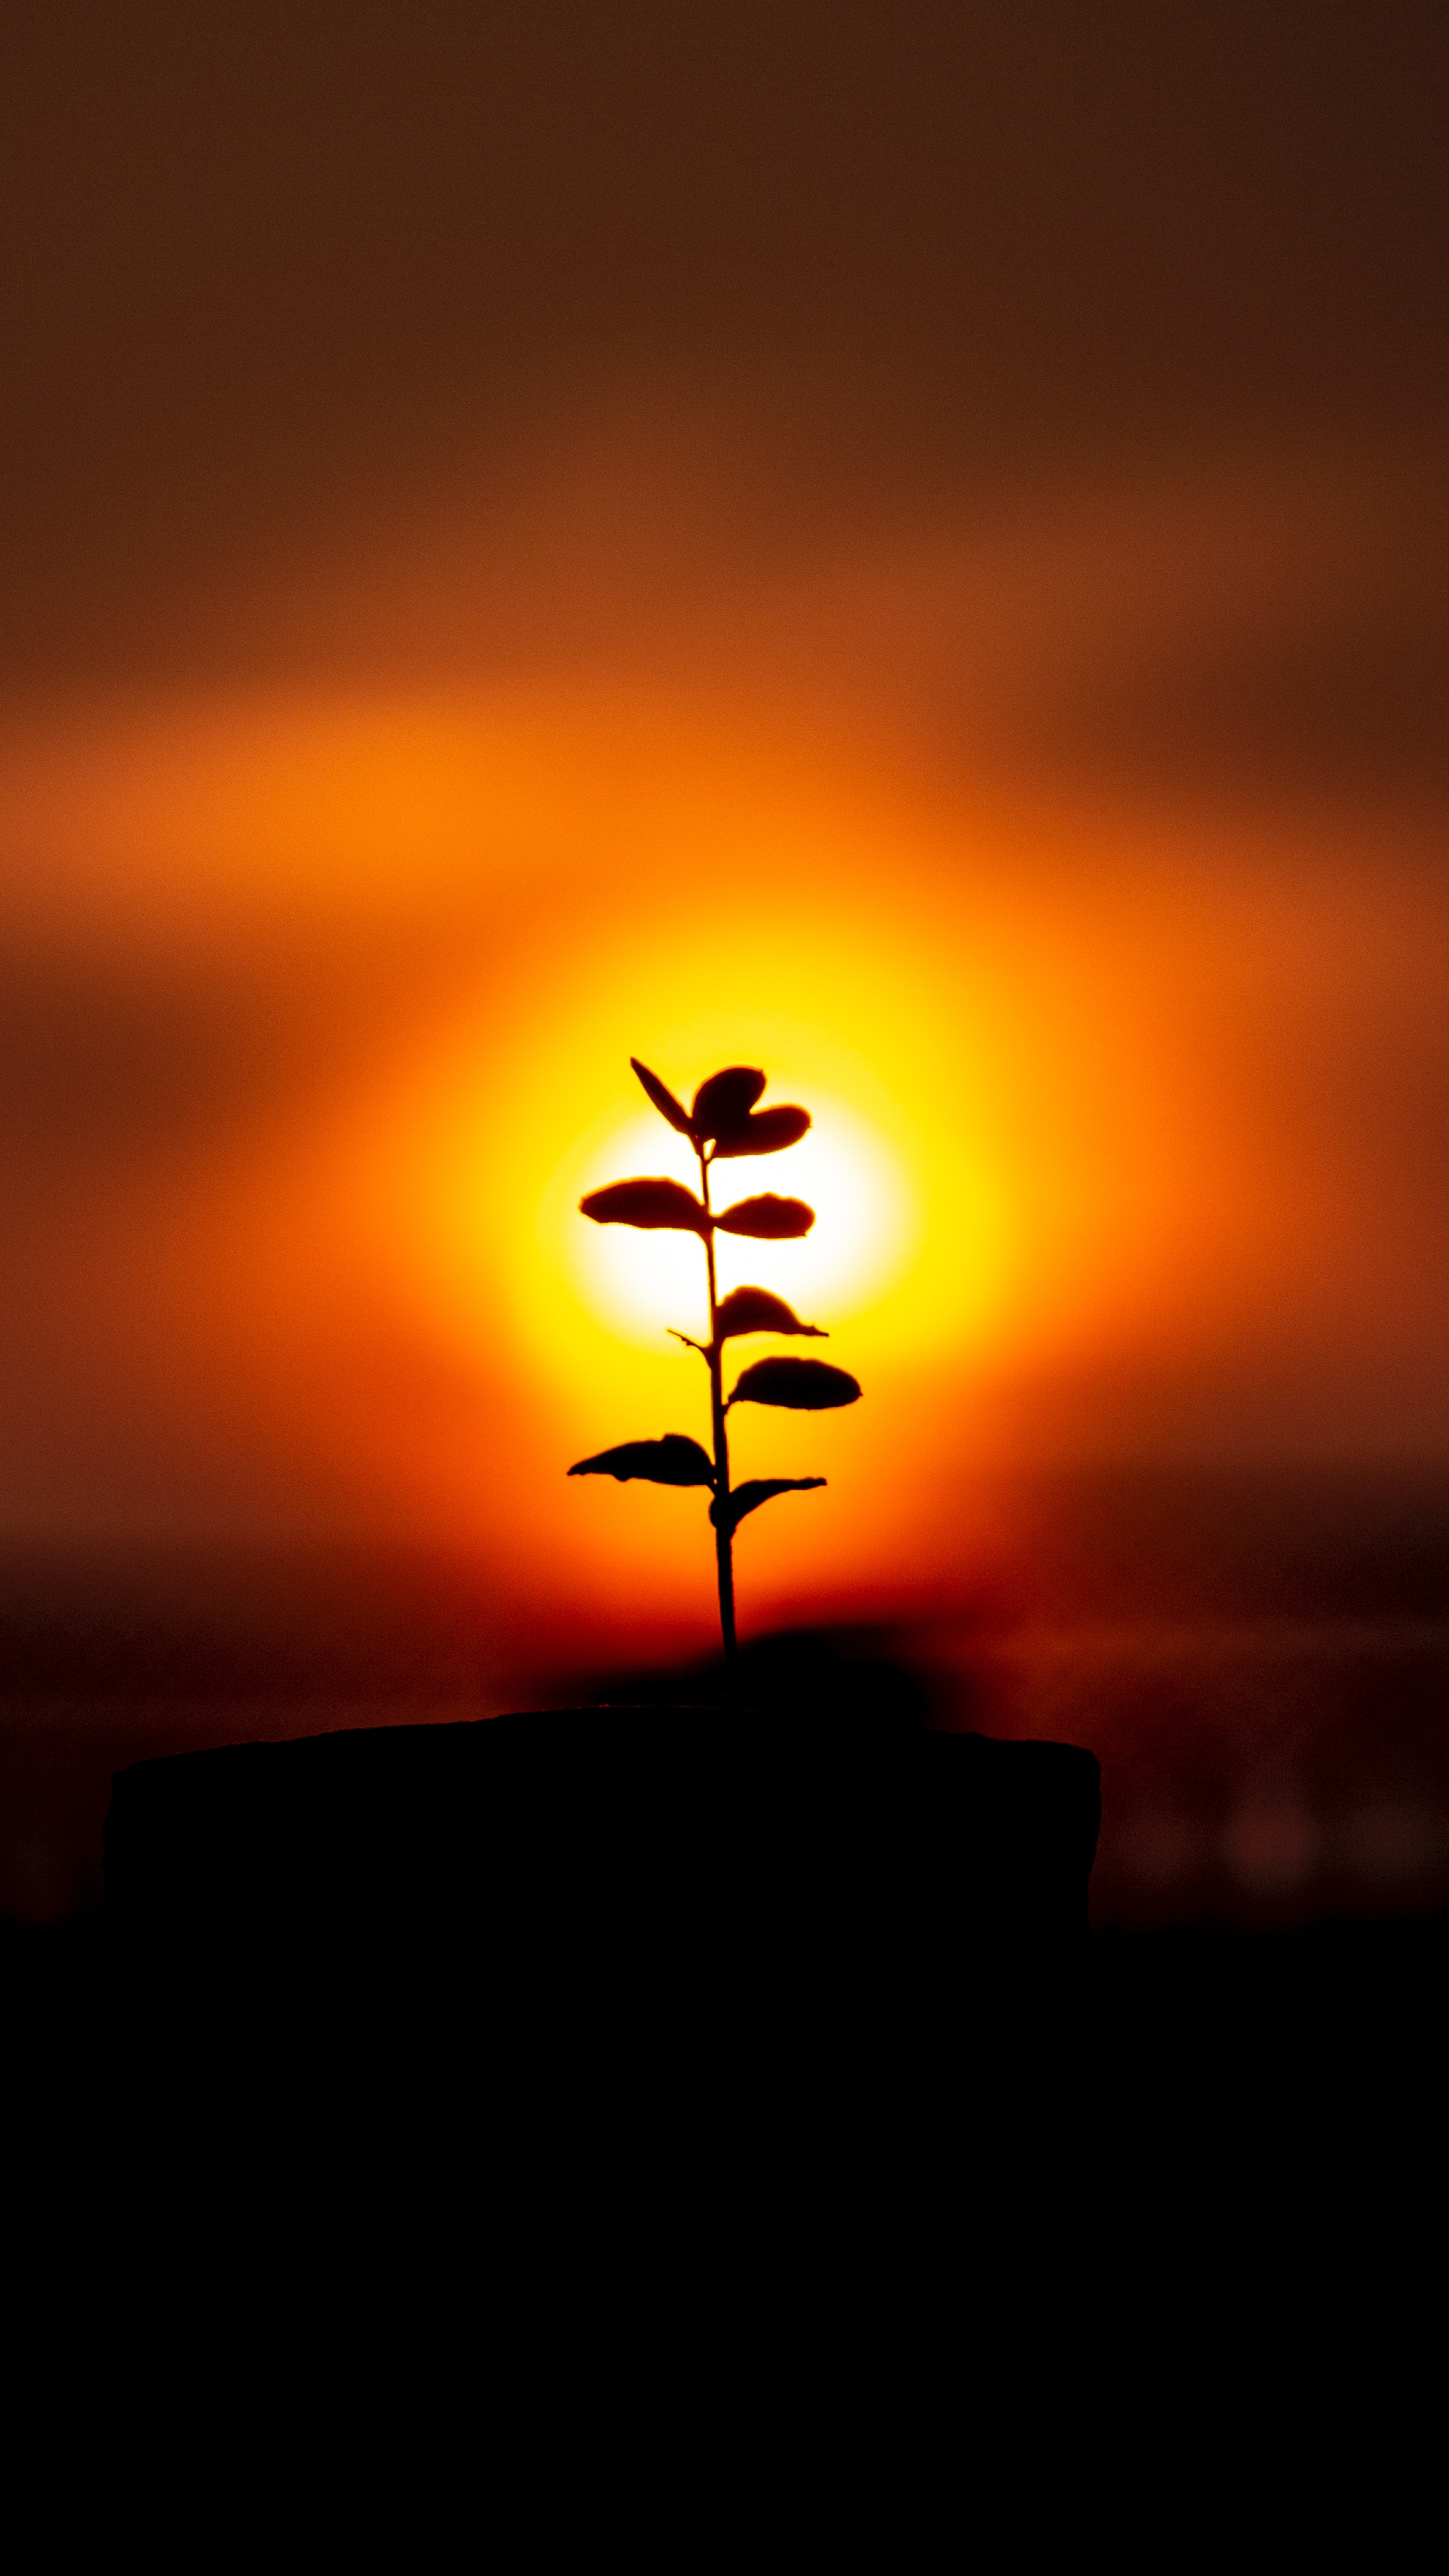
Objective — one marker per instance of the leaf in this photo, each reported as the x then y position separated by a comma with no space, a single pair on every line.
748,1497
769,1131
769,1219
662,1097
754,1310
670,1461
807,1386
725,1099
646,1203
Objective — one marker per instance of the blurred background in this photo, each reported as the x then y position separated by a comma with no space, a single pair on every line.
906,546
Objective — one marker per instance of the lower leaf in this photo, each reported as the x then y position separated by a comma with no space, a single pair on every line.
670,1461
748,1497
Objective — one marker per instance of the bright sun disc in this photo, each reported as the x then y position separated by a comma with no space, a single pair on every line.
637,1284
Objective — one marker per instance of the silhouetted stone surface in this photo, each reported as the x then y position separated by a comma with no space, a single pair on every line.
615,1898
595,1803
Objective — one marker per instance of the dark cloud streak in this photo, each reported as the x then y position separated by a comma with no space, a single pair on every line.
136,1064
267,264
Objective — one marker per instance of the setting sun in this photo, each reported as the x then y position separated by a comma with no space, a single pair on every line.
863,1239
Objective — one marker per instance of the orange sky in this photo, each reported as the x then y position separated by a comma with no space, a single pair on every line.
331,1001
1051,795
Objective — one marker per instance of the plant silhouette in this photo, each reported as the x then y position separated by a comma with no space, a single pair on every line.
722,1125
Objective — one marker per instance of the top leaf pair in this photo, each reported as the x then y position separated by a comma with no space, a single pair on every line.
724,1116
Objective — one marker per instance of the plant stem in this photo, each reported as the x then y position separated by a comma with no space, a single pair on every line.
723,1535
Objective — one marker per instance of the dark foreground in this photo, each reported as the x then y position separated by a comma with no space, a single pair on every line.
702,2132
544,1936
1327,2040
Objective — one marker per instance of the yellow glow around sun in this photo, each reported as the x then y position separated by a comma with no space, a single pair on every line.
913,1255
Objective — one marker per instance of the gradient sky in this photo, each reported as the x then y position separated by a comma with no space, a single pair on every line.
906,546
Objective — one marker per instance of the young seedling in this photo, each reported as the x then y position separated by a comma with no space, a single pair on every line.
723,1124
